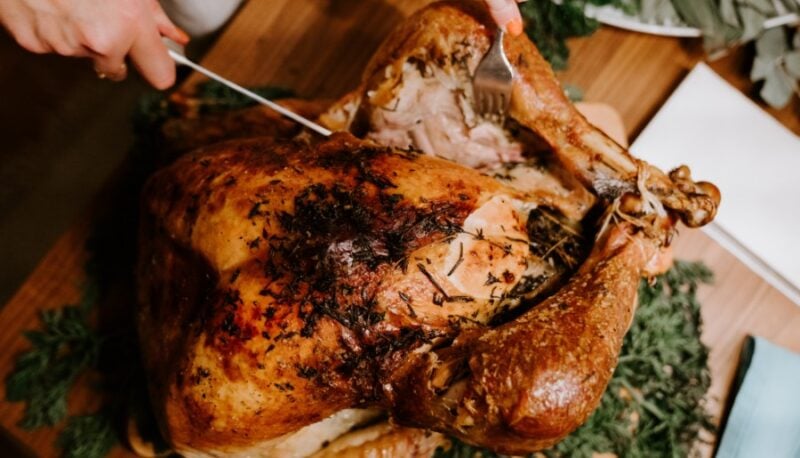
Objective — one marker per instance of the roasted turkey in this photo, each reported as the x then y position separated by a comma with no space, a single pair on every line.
453,274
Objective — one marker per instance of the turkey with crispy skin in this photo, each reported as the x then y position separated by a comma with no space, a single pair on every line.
459,275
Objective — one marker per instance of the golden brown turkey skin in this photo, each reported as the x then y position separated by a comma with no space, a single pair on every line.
281,283
254,324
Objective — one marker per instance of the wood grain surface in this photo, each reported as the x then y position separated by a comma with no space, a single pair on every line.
318,48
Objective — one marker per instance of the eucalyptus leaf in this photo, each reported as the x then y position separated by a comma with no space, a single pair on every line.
729,12
792,63
762,67
659,12
772,43
753,13
777,89
792,6
706,16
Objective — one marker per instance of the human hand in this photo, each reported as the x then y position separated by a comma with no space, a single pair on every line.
506,14
105,31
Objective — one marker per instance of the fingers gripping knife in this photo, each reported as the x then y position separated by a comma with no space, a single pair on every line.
176,52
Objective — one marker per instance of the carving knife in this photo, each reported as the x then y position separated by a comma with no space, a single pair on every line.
176,52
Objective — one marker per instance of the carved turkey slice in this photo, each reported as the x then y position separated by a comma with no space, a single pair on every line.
443,270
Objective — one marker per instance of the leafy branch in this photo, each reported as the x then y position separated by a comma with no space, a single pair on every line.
549,24
724,23
777,64
64,348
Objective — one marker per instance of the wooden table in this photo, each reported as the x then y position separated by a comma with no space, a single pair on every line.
319,48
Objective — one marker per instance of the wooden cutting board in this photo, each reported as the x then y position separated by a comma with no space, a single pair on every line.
319,48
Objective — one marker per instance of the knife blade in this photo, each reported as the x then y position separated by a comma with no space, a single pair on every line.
177,55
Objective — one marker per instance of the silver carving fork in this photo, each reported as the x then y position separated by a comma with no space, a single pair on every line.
493,81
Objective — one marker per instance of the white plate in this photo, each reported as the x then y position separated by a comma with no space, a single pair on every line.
618,18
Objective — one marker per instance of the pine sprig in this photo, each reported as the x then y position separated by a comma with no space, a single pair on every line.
654,404
63,348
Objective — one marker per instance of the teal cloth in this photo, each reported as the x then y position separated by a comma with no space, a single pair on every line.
765,418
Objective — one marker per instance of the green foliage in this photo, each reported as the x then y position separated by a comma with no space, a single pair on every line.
654,404
87,436
724,24
549,24
727,23
154,108
459,449
707,16
777,64
60,351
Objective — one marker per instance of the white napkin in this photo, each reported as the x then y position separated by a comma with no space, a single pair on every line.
727,139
